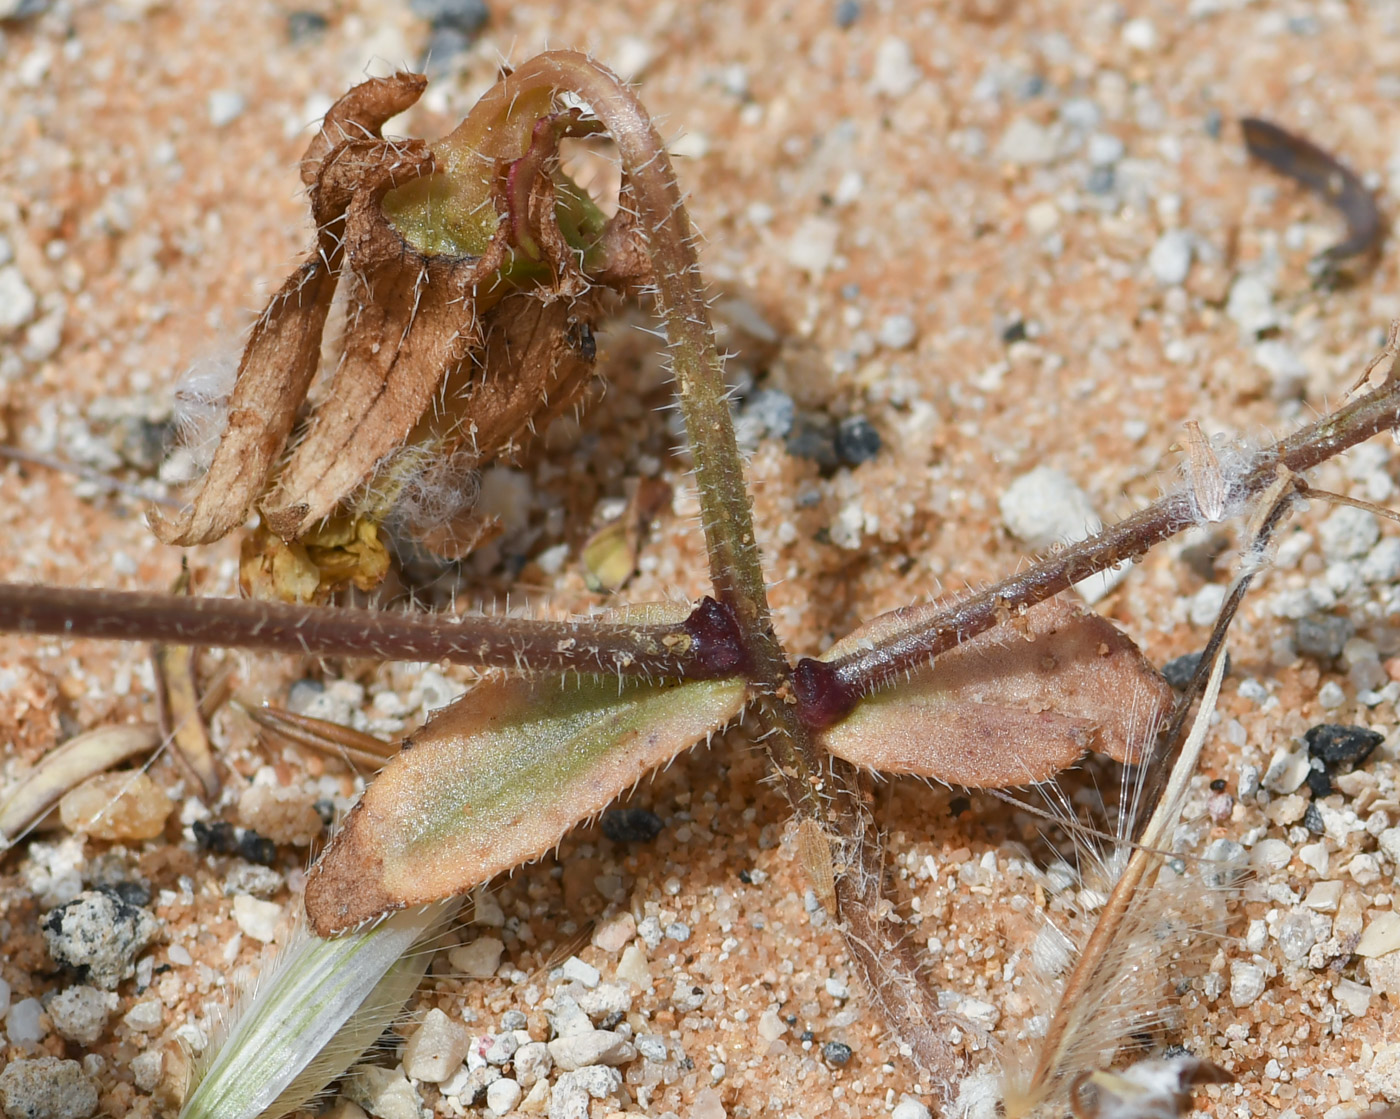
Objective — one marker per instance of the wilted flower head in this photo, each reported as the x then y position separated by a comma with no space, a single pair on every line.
474,270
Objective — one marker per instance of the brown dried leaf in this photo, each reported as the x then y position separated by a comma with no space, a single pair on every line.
1010,707
284,349
68,766
324,737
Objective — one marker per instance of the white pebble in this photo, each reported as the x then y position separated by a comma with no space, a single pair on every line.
17,302
1044,507
225,106
479,959
1206,603
771,1026
898,332
1140,34
1027,143
1250,306
813,246
1288,376
895,72
145,1017
1348,533
1170,258
910,1109
437,1048
632,968
1331,696
502,1096
1353,997
576,971
258,919
1246,982
532,1063
597,1047
22,1023
1380,937
1271,854
1104,149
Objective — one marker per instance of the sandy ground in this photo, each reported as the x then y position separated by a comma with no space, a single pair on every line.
964,221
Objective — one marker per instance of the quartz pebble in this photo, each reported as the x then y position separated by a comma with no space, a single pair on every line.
98,936
615,934
897,332
46,1088
24,1023
1246,982
576,971
770,1025
226,106
145,1017
479,959
1170,258
1353,997
437,1048
1046,507
116,806
257,918
910,1109
502,1096
1348,533
895,73
598,1047
1381,935
17,301
632,968
384,1093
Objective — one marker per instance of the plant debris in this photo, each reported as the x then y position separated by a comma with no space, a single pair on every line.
1332,181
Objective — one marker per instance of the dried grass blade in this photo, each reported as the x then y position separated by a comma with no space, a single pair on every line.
67,767
178,702
323,736
316,1011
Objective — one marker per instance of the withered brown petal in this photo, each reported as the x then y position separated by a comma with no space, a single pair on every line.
496,779
1011,706
413,320
284,347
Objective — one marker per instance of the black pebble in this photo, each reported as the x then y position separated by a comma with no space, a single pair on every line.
837,1053
467,16
219,837
746,878
1319,782
1335,745
1218,785
857,441
813,436
222,838
847,12
131,893
257,849
632,825
1014,332
1179,670
303,26
1312,820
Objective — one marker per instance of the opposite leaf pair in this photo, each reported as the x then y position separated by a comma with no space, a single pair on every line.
497,778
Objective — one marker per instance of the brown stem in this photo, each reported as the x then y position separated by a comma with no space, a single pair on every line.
679,650
829,691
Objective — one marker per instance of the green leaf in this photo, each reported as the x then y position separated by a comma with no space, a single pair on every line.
497,779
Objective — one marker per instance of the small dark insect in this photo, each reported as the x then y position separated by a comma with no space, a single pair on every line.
1335,183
